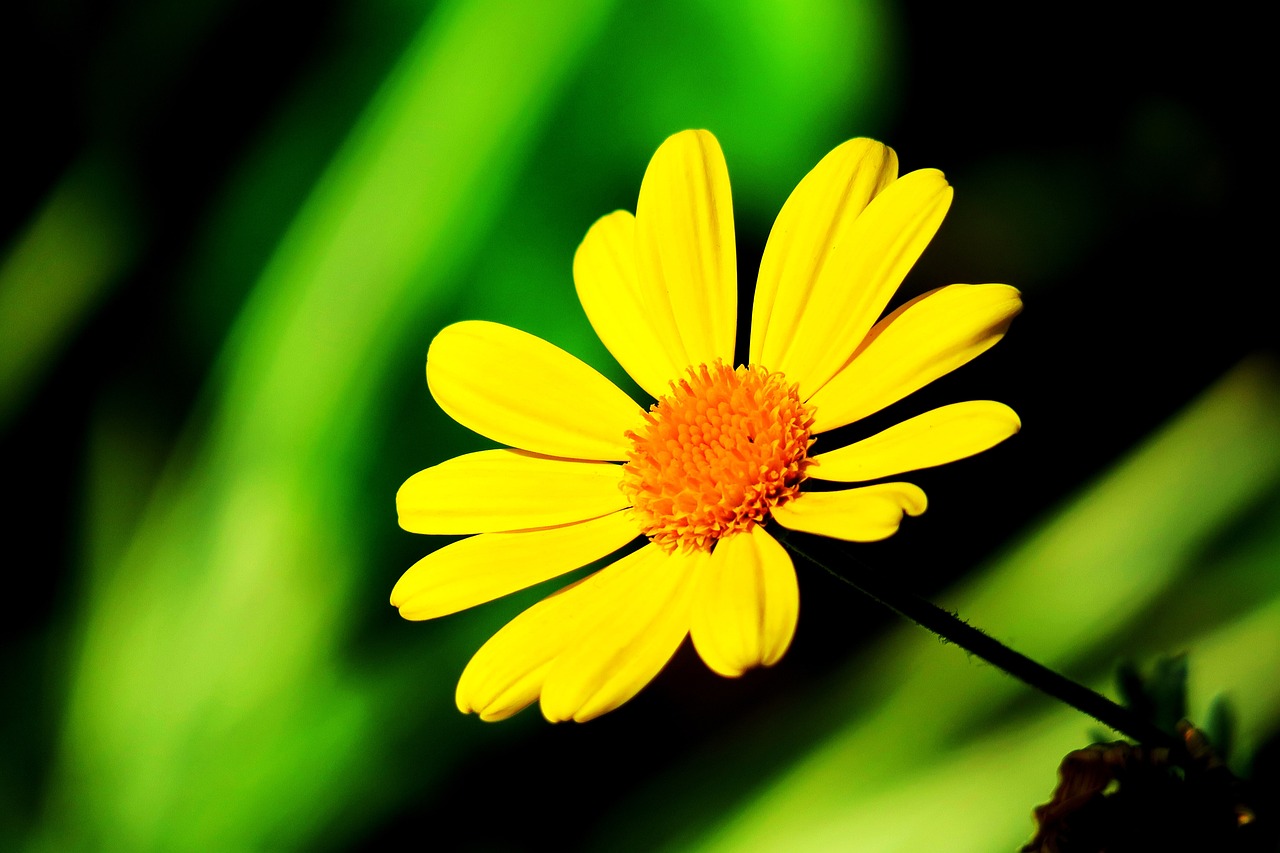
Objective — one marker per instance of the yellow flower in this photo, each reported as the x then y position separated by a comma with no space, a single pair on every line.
722,450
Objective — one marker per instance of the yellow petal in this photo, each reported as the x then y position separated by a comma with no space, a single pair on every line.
639,619
928,337
519,390
506,674
645,342
490,565
684,245
499,490
812,228
857,515
745,604
835,268
934,438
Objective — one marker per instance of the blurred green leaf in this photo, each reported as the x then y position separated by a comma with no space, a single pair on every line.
1160,696
979,791
77,245
778,83
210,707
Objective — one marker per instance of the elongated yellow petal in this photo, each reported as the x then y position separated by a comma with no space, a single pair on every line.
500,490
821,314
866,514
490,565
934,438
639,619
809,239
518,389
506,674
685,248
928,337
745,604
645,342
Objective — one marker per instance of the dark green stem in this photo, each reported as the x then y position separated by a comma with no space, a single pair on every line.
953,629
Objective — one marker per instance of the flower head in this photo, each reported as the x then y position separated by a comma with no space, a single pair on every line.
723,451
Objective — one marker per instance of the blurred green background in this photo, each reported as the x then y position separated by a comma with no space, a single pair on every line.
231,229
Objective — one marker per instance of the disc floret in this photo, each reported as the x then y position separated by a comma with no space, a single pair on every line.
717,454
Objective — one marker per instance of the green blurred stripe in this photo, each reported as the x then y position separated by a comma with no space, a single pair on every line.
406,200
89,230
76,246
210,709
979,795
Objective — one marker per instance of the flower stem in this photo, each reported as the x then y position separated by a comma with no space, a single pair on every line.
952,628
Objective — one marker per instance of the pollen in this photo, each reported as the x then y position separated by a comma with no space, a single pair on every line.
717,454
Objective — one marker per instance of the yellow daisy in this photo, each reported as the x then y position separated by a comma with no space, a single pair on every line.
722,451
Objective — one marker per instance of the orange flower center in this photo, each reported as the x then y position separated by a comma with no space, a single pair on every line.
717,454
